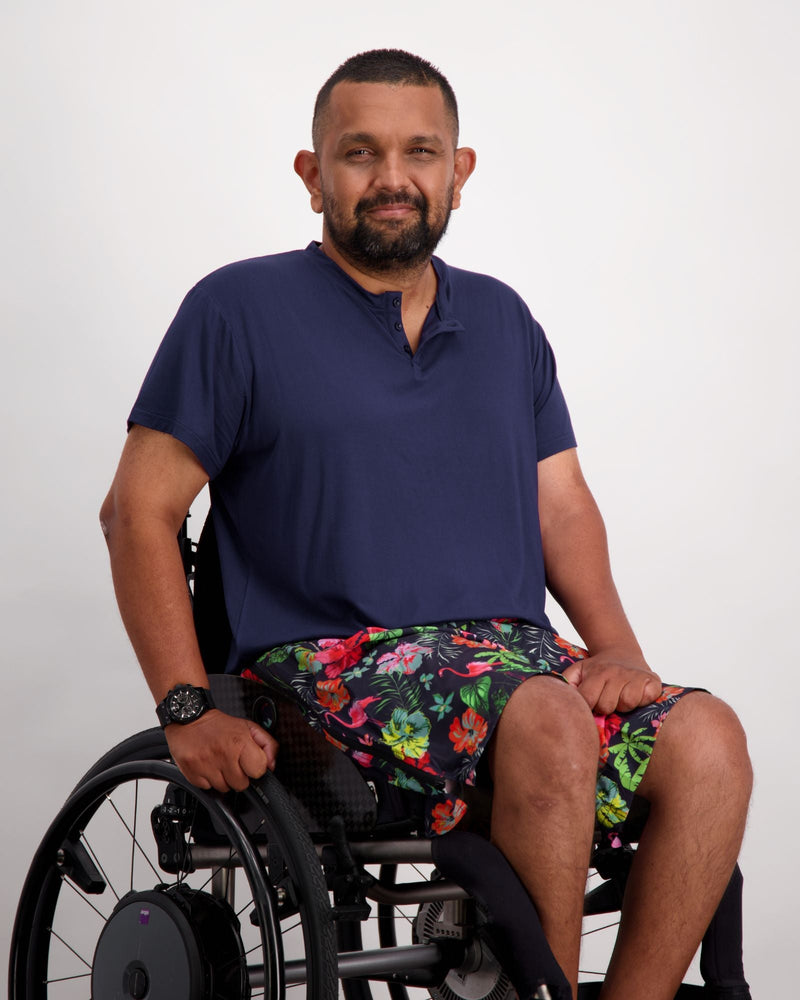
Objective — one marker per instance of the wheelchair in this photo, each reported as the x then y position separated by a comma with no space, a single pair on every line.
315,881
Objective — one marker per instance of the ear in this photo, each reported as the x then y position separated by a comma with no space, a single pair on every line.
465,159
306,166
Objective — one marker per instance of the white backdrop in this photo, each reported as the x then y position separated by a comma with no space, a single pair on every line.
637,182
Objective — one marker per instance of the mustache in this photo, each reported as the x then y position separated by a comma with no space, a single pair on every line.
402,197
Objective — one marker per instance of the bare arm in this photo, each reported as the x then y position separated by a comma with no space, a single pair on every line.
157,479
615,674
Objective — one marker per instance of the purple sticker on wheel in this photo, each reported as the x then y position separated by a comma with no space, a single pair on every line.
144,916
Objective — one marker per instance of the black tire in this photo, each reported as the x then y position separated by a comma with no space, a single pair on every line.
82,893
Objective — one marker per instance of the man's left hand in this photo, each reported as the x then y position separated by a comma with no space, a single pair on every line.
614,682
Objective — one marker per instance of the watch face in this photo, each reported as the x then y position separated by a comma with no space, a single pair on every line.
185,704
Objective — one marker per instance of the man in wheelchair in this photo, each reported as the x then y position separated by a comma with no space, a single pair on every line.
394,483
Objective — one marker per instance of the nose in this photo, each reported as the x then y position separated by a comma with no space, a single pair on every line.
391,174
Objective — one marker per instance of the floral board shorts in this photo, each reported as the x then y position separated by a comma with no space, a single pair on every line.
420,705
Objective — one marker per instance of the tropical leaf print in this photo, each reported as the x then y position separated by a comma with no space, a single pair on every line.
419,705
476,695
631,755
395,691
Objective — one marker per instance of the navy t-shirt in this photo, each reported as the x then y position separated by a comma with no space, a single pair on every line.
353,483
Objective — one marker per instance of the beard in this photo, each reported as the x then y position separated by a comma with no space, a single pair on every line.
400,244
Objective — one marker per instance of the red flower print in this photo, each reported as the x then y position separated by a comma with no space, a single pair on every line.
607,726
332,694
574,651
445,815
462,640
422,763
467,732
337,655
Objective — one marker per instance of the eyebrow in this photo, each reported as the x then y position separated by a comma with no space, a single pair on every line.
368,138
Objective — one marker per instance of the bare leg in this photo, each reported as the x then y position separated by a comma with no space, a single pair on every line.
543,758
698,784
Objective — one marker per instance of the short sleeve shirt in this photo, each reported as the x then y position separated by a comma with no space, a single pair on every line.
352,482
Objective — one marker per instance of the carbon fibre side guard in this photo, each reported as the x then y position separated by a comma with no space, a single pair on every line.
514,931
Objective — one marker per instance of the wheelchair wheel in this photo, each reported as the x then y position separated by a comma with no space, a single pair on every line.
146,887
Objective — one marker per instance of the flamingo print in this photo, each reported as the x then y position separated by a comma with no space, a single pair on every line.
358,714
474,669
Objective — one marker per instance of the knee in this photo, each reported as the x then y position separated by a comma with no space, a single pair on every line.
703,734
547,722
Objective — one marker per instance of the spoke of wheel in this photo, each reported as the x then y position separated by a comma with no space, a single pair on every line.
67,979
239,960
605,927
246,906
135,818
133,837
69,947
399,912
214,871
81,895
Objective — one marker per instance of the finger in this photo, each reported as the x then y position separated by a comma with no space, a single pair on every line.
630,696
267,742
192,770
636,694
253,760
593,688
653,689
212,779
197,780
607,701
234,778
574,673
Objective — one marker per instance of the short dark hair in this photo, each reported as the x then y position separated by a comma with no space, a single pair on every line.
393,66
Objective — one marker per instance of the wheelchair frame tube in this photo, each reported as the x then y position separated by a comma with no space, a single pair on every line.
376,964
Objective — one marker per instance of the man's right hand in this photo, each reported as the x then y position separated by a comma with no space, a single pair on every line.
221,751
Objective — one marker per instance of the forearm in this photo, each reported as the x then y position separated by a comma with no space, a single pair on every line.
154,602
579,577
156,481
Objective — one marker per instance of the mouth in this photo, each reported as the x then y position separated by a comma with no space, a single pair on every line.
389,212
389,209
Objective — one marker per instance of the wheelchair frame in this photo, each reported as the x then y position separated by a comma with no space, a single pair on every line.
300,843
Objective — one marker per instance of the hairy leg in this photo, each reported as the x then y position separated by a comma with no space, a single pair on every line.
543,759
698,785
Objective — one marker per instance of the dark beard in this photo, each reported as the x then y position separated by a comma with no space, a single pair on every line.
391,246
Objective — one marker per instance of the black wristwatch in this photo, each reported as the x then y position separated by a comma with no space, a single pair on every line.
183,704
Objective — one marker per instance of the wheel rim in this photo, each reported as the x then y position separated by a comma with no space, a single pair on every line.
101,865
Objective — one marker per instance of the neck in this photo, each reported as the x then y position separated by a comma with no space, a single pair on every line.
414,282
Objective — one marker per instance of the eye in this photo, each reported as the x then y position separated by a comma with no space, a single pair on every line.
358,153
